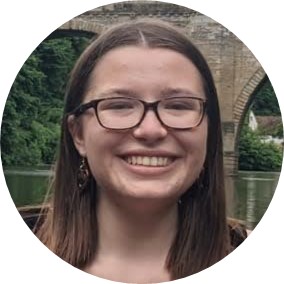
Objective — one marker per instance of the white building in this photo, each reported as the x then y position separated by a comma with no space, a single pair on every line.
252,121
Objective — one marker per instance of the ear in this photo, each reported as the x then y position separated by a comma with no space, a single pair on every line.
76,131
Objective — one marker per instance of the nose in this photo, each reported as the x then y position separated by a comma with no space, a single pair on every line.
150,129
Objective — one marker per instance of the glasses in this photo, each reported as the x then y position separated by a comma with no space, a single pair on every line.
121,113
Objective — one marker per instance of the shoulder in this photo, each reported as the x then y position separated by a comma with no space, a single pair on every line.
238,232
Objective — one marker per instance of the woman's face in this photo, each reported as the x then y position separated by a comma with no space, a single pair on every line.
176,157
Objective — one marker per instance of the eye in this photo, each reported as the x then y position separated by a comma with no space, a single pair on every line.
181,104
120,104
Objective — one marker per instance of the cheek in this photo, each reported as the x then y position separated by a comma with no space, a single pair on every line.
95,136
98,156
97,145
195,146
100,149
196,139
94,146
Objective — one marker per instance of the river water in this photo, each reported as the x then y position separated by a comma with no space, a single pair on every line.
248,193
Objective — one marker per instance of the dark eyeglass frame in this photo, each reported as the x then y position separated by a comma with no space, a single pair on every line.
147,106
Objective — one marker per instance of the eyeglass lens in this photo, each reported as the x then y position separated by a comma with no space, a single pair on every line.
122,113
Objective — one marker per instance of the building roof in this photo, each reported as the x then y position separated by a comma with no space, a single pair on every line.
268,122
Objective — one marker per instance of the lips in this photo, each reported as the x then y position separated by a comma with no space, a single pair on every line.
149,161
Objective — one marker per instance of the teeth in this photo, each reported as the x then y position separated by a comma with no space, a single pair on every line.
148,161
139,160
160,161
154,161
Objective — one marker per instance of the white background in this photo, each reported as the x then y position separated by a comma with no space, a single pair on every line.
24,24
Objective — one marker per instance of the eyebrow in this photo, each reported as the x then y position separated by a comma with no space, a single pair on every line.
169,92
164,93
117,92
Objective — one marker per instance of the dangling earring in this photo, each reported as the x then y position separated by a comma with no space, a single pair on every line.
83,175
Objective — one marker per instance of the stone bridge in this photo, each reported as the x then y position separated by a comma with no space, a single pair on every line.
237,73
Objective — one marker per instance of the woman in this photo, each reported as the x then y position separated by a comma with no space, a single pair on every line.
139,187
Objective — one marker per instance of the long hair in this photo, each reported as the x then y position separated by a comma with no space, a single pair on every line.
70,229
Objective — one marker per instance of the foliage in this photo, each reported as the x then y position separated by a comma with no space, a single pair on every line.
278,131
275,129
30,126
257,155
253,153
265,101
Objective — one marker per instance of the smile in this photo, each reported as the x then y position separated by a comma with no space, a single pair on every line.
149,161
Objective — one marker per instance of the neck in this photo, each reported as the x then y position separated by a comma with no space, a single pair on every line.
134,239
136,228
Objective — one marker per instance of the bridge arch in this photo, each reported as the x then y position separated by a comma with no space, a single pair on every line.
77,27
244,100
82,25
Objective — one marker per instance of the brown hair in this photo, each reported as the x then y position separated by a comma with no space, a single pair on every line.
70,229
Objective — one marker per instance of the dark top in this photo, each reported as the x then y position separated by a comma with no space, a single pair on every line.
238,232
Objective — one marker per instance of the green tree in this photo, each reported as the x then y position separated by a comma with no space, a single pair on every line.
22,107
257,155
56,57
32,115
278,131
265,101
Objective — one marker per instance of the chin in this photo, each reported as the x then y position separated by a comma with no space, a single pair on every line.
151,190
